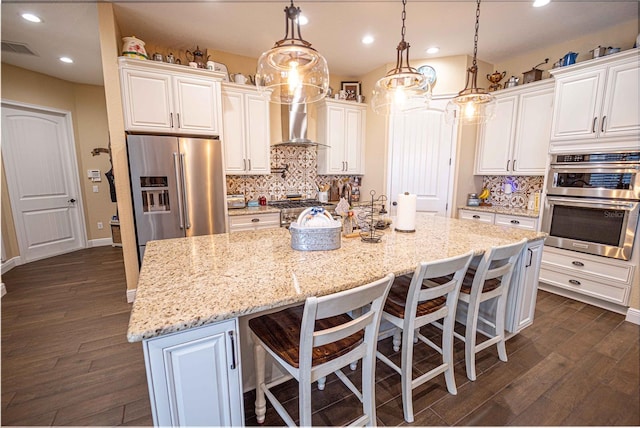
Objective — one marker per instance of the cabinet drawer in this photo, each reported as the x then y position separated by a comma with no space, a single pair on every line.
582,264
528,223
254,221
610,291
477,216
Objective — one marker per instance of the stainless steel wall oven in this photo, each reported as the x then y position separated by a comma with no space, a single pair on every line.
592,203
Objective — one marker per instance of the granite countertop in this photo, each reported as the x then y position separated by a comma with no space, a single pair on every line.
523,212
253,210
188,282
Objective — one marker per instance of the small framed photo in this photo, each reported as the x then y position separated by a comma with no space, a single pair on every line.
352,90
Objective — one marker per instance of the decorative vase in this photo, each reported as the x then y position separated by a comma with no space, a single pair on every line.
133,48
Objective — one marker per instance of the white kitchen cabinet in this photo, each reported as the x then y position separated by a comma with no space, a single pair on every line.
577,274
518,221
596,104
255,221
522,311
516,140
194,376
246,130
169,99
341,126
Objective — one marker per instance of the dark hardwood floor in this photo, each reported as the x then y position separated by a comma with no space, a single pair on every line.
66,361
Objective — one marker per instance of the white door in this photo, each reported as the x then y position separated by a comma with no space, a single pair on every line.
420,147
42,175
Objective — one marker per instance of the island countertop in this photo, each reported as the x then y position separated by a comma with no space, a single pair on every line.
189,282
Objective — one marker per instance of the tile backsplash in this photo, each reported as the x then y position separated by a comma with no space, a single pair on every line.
301,176
522,187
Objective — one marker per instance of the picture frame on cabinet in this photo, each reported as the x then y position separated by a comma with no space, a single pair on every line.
352,90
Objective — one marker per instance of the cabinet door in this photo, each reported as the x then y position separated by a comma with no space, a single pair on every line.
620,112
147,101
235,160
331,158
576,106
194,377
197,105
482,217
533,132
257,134
495,140
522,312
354,129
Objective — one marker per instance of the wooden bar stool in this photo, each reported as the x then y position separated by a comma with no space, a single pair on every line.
412,303
318,339
490,280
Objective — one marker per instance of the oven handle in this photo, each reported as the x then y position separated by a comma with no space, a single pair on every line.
591,168
583,202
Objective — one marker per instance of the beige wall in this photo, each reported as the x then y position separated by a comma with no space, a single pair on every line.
622,36
87,106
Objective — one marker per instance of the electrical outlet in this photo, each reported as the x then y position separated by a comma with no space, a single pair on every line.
95,189
100,226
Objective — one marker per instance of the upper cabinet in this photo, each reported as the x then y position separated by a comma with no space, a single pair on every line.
246,130
341,126
596,104
516,140
168,98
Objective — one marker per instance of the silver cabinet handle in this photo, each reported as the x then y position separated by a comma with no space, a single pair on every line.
171,120
574,282
602,126
176,168
249,160
593,127
514,164
187,221
508,164
530,257
244,164
233,351
178,116
346,167
577,263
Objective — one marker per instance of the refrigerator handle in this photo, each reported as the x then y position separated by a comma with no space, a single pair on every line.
184,193
177,169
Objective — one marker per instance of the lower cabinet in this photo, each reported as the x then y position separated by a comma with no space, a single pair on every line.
239,223
522,298
577,274
194,376
521,222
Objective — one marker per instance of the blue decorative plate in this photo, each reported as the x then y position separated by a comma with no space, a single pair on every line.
429,72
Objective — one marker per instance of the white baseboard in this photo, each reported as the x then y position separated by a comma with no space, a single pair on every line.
633,316
131,295
10,264
3,290
102,242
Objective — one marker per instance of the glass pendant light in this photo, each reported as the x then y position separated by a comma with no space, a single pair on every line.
472,105
293,71
403,89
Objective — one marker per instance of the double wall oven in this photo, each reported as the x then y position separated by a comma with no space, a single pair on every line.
592,203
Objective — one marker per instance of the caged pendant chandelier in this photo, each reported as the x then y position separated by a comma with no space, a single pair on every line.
473,105
403,89
293,71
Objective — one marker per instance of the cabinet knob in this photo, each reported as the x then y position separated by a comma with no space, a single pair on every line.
577,263
255,220
515,222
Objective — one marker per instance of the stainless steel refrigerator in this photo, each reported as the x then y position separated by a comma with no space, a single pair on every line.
178,187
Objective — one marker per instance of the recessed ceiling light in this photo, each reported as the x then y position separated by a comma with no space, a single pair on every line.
433,50
66,59
303,20
31,17
368,39
540,3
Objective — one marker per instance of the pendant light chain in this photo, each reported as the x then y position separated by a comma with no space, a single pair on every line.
404,16
475,38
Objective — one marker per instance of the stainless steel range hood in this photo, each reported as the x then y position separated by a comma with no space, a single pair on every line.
294,127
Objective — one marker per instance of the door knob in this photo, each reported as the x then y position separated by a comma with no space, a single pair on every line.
72,200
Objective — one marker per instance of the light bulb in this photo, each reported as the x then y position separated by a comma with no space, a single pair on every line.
293,76
469,109
399,96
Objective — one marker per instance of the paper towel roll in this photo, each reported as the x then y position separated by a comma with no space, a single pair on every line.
406,213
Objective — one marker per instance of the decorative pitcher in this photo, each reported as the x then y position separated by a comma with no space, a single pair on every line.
569,58
133,48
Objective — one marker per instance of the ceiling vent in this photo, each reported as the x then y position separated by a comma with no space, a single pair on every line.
15,47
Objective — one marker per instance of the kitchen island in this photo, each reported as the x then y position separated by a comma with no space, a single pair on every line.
192,291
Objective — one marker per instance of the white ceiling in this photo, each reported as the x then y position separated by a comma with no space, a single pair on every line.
249,27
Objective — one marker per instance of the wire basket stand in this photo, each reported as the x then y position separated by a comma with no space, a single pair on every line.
368,218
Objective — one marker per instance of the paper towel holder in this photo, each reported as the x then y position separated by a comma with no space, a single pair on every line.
403,230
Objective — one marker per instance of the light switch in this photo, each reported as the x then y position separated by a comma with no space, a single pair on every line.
95,189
